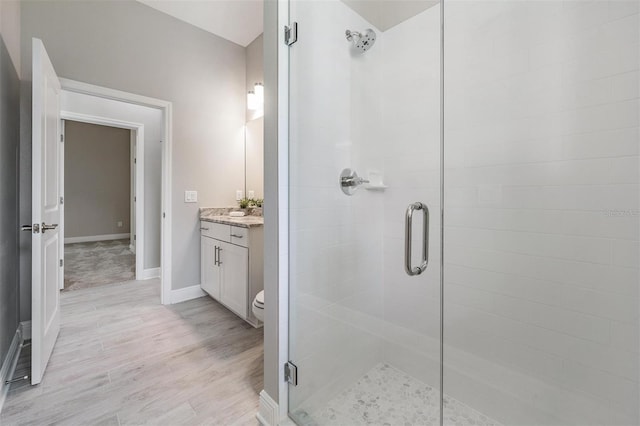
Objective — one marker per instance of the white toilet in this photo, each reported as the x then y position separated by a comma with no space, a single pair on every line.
258,306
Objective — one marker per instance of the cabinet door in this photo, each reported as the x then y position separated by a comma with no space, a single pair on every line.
209,272
235,277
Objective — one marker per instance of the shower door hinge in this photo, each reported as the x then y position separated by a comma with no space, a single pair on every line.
61,200
291,34
61,263
291,373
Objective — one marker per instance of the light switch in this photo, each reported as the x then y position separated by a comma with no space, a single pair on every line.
239,195
190,196
119,224
251,194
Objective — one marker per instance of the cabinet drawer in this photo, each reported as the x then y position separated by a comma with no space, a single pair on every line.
218,231
240,236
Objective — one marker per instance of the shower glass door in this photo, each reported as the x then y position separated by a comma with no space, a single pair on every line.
541,210
365,96
540,180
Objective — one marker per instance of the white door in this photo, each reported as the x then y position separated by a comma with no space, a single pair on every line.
234,263
46,241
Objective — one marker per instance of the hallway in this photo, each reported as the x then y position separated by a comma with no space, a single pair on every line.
122,359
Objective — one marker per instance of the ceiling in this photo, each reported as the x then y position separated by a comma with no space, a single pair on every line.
385,14
239,21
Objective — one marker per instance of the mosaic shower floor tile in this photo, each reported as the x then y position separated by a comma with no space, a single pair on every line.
386,396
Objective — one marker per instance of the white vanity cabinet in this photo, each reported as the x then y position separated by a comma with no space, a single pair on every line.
231,265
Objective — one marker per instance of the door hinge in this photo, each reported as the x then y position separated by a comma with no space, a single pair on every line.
291,373
135,199
61,263
163,215
135,161
134,237
291,33
61,138
61,200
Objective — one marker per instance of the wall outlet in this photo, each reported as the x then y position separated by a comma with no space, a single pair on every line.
239,195
119,224
190,196
251,194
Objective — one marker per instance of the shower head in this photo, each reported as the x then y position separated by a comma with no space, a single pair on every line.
362,41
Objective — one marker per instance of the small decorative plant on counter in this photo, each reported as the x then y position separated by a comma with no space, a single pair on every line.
250,202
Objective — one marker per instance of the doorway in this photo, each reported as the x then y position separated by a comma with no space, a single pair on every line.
147,119
99,205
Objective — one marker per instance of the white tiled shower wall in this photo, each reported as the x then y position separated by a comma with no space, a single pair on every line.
542,210
541,213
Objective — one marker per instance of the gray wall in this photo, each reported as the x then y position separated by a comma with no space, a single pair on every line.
97,180
128,46
9,145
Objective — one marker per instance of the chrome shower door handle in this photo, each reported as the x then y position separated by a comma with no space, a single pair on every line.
407,239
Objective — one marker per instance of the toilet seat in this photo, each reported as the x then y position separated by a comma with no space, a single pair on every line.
258,306
259,300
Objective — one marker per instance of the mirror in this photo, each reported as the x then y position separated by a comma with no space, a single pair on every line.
253,130
253,158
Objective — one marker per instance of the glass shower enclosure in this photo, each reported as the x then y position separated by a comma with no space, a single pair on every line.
464,213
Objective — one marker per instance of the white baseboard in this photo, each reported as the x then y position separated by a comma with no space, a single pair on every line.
92,238
25,330
9,366
187,293
148,274
268,410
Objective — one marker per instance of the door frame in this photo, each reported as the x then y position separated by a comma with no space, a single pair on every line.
166,108
138,130
274,399
134,179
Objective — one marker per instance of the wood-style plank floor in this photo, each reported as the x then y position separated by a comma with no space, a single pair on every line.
124,359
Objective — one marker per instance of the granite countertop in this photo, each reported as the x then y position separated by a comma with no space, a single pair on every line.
220,215
244,222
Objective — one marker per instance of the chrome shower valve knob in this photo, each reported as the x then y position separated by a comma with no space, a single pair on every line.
350,181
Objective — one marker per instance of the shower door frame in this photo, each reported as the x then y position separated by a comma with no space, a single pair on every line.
277,217
277,184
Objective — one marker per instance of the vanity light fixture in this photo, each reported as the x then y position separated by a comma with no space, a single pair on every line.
252,100
258,88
